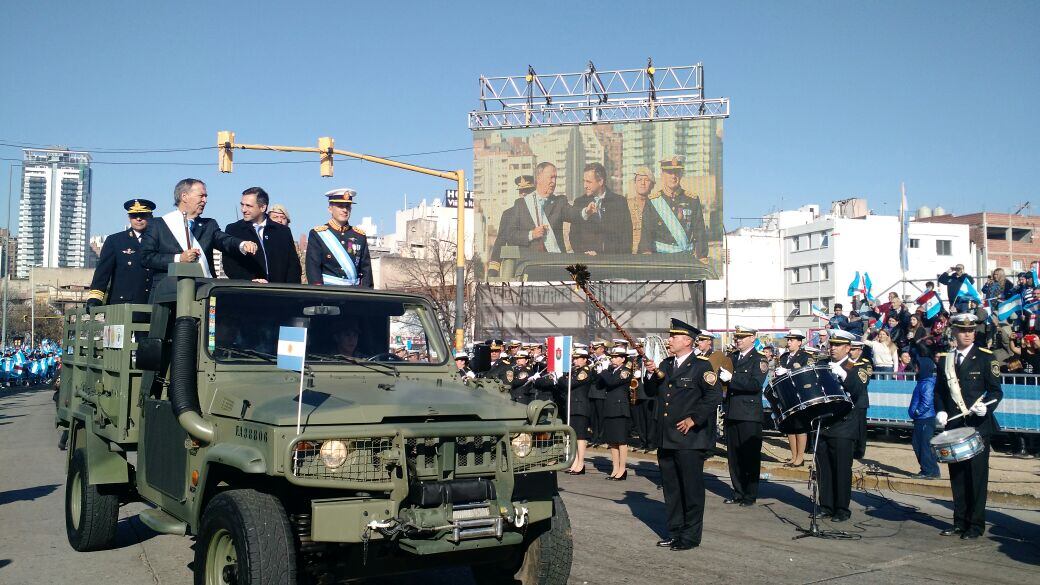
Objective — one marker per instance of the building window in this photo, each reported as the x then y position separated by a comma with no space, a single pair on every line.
1016,266
915,243
826,272
944,247
825,240
794,308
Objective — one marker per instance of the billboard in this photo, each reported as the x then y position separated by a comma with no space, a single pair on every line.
633,201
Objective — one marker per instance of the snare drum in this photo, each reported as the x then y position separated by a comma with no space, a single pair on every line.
800,396
957,445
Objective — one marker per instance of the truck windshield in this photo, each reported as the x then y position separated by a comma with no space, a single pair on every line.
243,326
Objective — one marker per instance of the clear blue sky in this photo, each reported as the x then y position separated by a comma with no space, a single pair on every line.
829,100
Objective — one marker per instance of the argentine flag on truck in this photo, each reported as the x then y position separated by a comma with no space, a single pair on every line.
292,346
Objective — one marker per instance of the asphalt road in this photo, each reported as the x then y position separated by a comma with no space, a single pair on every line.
614,525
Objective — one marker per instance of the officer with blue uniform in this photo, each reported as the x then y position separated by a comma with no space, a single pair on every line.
673,221
337,253
120,277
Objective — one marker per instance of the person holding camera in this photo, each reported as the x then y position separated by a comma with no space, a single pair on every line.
954,278
1028,350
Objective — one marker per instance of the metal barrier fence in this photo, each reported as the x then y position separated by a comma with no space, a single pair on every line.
1018,412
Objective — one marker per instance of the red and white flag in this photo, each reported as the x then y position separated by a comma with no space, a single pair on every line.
558,358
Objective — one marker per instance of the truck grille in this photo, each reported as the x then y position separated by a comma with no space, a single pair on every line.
365,460
549,449
474,454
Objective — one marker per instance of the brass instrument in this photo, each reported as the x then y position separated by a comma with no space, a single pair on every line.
581,276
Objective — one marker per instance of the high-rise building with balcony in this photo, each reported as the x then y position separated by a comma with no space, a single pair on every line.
54,210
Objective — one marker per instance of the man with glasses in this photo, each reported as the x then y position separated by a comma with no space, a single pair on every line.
120,277
337,253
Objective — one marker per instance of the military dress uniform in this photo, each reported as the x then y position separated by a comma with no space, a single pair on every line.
743,422
795,360
119,276
656,237
614,382
862,405
686,389
978,375
643,418
597,395
838,440
321,262
583,378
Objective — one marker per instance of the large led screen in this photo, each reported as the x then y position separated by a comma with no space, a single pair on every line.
632,201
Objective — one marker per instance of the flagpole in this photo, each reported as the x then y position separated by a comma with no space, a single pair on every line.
904,224
303,367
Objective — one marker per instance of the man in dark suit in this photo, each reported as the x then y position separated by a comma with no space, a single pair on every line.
744,416
120,277
170,240
688,393
507,226
607,225
276,260
539,216
839,437
975,381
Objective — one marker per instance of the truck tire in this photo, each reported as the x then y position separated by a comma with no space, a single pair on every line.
90,516
545,561
244,538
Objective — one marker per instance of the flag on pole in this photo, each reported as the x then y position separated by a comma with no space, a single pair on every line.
1006,308
854,285
867,285
819,313
904,231
930,304
292,347
968,290
862,286
559,354
1036,277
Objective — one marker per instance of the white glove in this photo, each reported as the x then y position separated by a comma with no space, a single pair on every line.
782,371
941,417
534,377
471,375
979,409
838,371
725,375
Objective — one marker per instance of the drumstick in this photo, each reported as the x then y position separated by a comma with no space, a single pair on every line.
956,416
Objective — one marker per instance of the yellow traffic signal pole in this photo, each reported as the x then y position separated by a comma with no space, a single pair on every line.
226,144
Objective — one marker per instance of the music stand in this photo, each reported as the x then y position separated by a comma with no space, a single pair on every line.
814,493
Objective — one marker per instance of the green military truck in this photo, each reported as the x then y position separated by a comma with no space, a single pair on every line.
397,466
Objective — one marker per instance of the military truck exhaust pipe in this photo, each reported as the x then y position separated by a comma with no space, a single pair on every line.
184,396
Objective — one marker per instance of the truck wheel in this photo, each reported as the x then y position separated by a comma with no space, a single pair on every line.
90,516
245,539
546,560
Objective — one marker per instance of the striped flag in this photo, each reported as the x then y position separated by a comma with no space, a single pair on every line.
930,304
819,313
292,347
558,358
1008,307
969,291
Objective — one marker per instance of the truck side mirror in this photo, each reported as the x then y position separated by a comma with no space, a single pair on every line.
149,353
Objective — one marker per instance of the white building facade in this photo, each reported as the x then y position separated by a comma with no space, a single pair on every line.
54,210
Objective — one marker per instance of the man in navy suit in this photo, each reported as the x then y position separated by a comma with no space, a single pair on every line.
607,225
183,235
276,260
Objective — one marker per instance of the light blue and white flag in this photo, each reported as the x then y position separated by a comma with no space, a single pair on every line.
292,347
968,291
1009,307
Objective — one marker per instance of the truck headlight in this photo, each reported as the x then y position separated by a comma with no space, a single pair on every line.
522,444
333,453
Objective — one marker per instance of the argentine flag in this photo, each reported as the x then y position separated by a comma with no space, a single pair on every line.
1011,305
969,291
292,347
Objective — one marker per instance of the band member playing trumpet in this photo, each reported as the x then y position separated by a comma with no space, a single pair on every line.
968,377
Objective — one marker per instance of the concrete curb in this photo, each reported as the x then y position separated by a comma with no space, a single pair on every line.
861,479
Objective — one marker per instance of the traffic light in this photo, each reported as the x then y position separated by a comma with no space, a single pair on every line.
325,145
225,143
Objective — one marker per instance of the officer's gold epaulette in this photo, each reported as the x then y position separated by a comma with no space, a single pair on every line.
358,230
321,227
655,195
984,350
942,354
700,357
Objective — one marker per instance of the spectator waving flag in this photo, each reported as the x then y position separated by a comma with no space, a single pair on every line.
1036,277
1030,300
820,313
861,286
1009,307
969,291
930,304
854,285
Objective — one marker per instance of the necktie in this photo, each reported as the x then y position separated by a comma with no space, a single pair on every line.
960,358
260,237
191,225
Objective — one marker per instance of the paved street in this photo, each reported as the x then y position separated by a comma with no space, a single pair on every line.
614,527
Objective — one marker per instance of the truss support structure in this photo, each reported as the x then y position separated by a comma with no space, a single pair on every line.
593,96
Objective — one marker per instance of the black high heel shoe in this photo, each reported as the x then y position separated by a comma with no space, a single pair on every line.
570,472
621,477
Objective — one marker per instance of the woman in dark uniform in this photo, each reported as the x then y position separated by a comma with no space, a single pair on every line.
616,413
584,378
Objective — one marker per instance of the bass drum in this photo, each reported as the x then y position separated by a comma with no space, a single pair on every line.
800,396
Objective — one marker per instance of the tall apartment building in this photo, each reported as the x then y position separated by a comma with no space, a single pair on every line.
54,210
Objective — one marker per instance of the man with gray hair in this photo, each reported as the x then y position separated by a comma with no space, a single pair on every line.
183,235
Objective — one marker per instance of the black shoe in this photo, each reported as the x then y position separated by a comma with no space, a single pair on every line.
733,501
841,517
824,514
683,546
621,477
953,532
970,535
747,503
666,543
569,472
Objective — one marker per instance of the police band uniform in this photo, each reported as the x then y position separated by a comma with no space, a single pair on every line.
120,277
614,382
964,381
643,418
500,369
583,378
862,402
796,360
527,383
743,406
338,254
597,394
685,386
838,438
